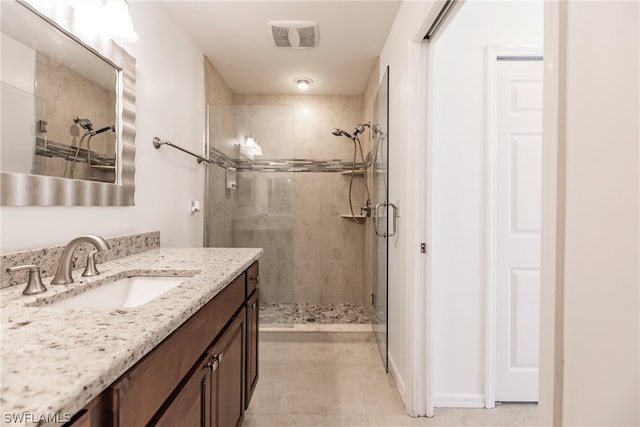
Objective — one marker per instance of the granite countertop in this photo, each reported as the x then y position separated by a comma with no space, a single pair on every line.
56,360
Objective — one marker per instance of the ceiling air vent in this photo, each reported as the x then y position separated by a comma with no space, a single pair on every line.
295,34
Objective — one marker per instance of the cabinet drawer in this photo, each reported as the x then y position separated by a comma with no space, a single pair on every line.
141,391
253,278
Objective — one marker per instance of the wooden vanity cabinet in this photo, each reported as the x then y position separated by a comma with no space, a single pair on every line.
212,395
203,374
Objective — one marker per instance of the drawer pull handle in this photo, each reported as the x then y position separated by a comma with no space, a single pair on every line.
256,279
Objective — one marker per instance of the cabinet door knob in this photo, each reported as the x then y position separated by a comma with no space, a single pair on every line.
253,306
213,364
214,361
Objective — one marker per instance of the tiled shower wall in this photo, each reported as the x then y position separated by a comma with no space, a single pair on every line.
312,255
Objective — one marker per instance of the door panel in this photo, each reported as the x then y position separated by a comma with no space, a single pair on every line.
227,380
190,408
518,222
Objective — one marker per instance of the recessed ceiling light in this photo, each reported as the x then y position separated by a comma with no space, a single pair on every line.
303,83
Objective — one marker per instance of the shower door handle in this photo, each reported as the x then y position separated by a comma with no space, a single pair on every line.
377,219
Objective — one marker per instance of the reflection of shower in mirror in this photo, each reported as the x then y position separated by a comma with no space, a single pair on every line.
87,125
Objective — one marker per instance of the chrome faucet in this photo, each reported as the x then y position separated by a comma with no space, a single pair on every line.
63,273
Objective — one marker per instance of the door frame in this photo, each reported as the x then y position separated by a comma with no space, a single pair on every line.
491,141
419,302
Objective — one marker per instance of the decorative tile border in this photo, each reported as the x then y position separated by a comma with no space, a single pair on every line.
47,259
284,165
297,165
47,148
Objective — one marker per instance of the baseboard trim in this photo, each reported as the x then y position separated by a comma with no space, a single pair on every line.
398,380
444,400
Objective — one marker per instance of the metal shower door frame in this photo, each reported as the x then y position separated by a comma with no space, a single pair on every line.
381,234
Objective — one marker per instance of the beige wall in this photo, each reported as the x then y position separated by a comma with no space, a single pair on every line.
219,211
590,307
314,117
217,91
328,249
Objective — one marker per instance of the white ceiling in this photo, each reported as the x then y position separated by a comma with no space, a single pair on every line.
234,35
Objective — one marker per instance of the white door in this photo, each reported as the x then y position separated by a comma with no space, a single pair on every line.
518,216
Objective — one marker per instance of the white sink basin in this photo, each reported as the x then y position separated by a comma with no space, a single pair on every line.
123,293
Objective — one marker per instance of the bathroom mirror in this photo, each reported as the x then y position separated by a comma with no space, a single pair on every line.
67,134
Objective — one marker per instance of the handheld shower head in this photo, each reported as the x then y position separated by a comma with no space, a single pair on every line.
340,132
358,131
83,123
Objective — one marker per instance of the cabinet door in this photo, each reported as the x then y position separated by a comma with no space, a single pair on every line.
227,397
253,312
190,407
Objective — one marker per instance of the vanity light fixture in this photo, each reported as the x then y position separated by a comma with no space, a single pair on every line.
118,21
109,18
303,83
250,147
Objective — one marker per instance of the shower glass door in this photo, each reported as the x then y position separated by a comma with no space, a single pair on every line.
250,194
380,203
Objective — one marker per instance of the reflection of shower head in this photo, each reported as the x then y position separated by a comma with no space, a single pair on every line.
377,131
358,131
340,132
83,123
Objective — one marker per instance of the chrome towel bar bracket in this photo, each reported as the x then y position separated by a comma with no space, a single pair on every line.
157,143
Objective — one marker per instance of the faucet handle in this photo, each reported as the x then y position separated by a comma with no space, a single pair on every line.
34,286
91,269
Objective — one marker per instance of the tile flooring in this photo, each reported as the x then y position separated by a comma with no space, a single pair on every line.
338,384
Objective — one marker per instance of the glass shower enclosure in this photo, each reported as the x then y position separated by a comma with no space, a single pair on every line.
250,198
384,226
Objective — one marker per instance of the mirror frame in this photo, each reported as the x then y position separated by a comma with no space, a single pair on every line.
39,190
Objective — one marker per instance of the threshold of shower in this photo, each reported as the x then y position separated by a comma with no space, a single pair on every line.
315,323
305,314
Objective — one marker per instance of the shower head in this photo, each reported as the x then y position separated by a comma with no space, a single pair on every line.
340,132
377,130
84,123
358,131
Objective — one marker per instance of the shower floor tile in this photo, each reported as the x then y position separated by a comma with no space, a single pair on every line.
312,313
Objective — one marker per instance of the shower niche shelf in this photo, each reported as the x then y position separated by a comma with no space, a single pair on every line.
357,172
